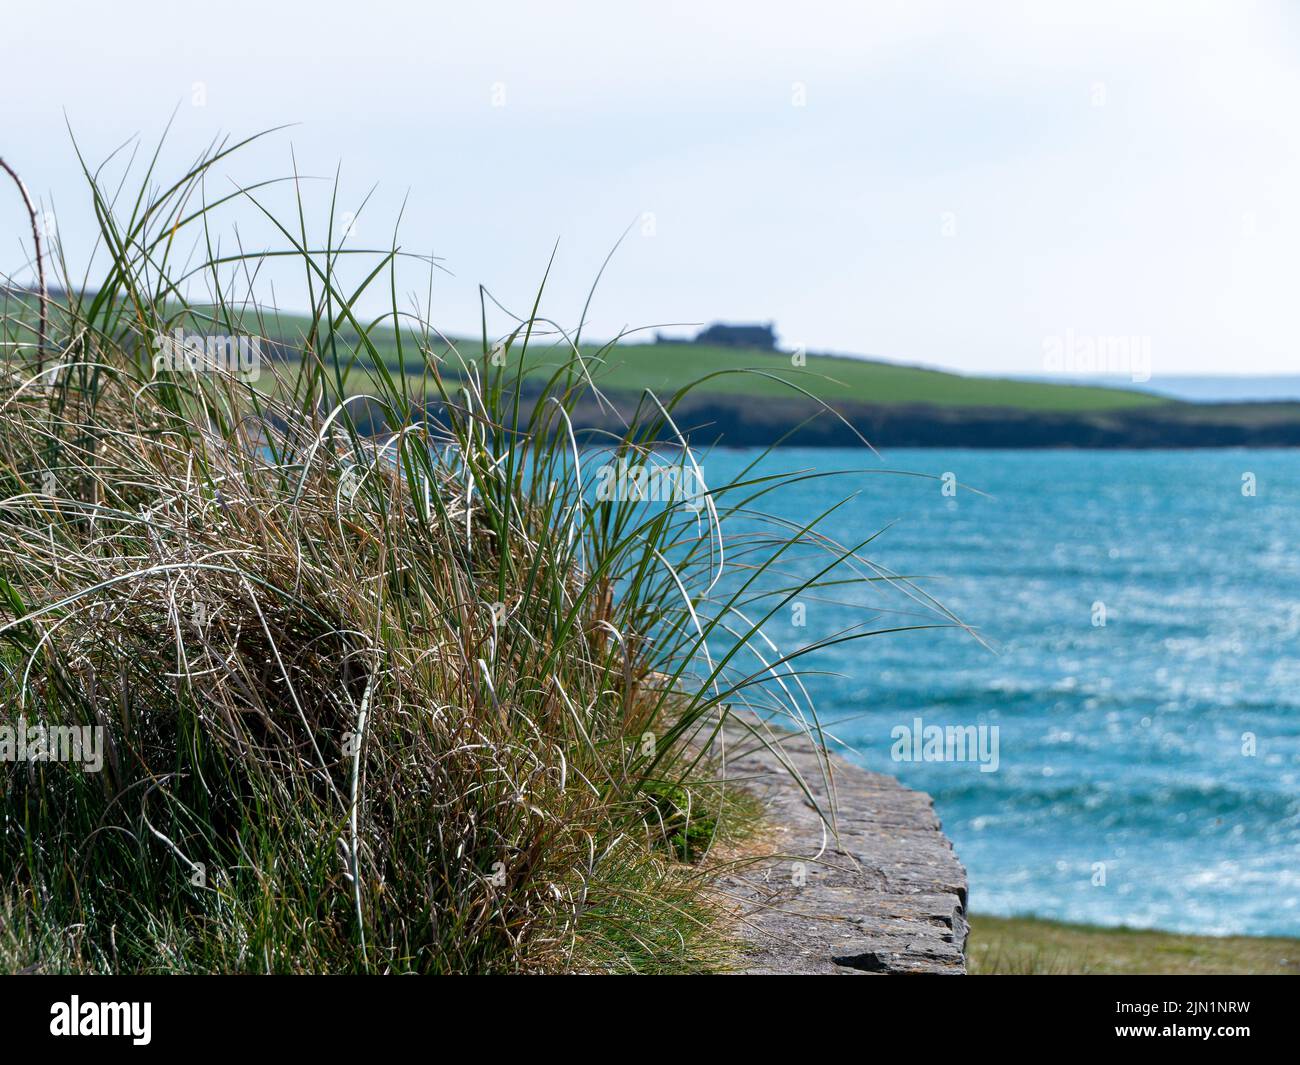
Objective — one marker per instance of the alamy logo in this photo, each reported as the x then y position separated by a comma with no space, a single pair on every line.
946,743
647,482
53,743
1082,354
195,353
102,1018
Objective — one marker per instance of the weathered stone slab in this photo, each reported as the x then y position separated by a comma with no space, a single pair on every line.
881,892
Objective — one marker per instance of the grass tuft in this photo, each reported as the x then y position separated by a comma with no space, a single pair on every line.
399,693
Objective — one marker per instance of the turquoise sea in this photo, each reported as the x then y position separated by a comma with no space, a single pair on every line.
1149,767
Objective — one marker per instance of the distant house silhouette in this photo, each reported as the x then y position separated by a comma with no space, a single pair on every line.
730,336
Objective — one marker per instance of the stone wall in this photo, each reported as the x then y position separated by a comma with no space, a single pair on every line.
884,894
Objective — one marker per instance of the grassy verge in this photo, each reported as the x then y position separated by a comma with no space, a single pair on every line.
444,700
1025,945
708,370
741,372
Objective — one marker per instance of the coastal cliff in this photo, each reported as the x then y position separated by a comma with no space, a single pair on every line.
748,421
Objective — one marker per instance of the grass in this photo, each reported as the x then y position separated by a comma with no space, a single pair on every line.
669,366
1028,946
713,370
424,703
723,371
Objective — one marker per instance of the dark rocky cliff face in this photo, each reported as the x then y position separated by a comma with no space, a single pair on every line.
747,421
743,421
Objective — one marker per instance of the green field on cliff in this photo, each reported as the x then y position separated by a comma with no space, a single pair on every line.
723,371
662,368
668,366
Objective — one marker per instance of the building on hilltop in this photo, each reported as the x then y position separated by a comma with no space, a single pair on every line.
730,336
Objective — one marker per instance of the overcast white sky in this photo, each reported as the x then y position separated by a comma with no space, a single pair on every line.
962,182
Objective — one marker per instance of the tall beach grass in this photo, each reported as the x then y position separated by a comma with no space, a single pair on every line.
401,693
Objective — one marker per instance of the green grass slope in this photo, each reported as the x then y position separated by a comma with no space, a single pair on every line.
663,368
1001,946
668,366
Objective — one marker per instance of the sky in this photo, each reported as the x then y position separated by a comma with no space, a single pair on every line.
982,187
